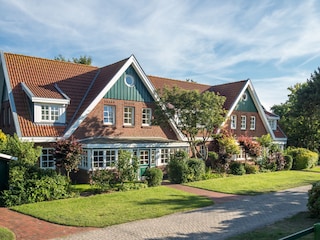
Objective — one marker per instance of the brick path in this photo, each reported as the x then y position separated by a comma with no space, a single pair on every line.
230,211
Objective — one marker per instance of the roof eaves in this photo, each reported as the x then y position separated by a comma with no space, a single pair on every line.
10,95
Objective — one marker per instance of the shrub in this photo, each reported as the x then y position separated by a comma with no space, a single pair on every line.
303,158
251,168
103,180
177,171
237,168
288,162
314,200
154,177
196,168
42,185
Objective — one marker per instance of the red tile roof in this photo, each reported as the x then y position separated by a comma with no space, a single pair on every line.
40,75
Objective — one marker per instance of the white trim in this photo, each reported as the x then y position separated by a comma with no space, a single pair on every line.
9,157
10,95
43,100
135,145
40,139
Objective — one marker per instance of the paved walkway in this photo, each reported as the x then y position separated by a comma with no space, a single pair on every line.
230,215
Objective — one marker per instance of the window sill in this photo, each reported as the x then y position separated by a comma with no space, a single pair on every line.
128,126
146,126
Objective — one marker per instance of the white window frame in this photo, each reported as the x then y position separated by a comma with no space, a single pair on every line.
55,113
110,157
128,116
84,160
233,122
273,124
146,116
252,123
243,122
47,160
109,114
164,155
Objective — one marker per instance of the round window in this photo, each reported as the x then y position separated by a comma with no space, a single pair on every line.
129,80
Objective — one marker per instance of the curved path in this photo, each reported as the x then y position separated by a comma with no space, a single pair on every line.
222,220
230,215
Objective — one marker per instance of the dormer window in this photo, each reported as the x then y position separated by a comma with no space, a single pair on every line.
47,109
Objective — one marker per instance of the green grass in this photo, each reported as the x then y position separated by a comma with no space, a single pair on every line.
281,228
115,208
258,183
6,234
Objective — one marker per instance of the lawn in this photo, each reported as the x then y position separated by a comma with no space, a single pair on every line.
281,228
259,183
114,208
6,234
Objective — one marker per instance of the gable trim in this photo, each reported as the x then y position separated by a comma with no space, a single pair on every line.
10,95
257,104
131,61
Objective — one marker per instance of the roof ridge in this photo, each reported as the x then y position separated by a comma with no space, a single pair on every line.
178,80
230,83
48,59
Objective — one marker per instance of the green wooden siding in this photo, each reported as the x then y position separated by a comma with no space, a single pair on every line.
248,105
123,92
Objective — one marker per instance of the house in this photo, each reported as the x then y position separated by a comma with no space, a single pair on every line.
107,109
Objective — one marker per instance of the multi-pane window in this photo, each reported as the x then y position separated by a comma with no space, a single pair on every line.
252,123
128,116
273,124
49,113
146,116
84,159
110,157
164,155
46,159
144,156
243,122
97,158
109,115
233,122
153,156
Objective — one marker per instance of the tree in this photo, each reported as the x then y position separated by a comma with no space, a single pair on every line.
67,153
193,113
81,60
300,114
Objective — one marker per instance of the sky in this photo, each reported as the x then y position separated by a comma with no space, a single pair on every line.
274,43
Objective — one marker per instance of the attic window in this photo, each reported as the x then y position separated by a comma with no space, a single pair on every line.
244,97
129,80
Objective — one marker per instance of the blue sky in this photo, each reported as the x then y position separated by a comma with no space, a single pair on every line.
274,43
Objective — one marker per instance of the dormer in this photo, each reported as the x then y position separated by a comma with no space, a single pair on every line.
47,103
272,120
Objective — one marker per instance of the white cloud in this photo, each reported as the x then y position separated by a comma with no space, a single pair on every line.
272,42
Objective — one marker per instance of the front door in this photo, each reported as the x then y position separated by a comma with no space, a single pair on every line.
144,161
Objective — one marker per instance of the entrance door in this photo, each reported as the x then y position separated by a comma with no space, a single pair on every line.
144,161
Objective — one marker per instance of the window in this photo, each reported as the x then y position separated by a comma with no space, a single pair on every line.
252,123
110,157
153,156
97,159
273,124
164,155
128,116
49,113
129,80
144,157
233,122
146,116
109,115
84,159
243,122
244,97
46,159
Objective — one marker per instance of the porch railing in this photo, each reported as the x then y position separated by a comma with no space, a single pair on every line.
315,229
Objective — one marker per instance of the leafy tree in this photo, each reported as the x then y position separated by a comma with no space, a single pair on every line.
127,166
67,153
3,140
82,59
193,113
251,147
300,114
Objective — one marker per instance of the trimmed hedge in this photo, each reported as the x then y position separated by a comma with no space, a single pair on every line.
303,158
154,177
237,168
314,200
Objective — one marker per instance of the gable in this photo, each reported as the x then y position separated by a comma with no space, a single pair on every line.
122,91
246,103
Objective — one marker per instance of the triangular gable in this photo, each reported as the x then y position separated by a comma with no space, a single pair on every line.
248,88
246,103
124,91
128,64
